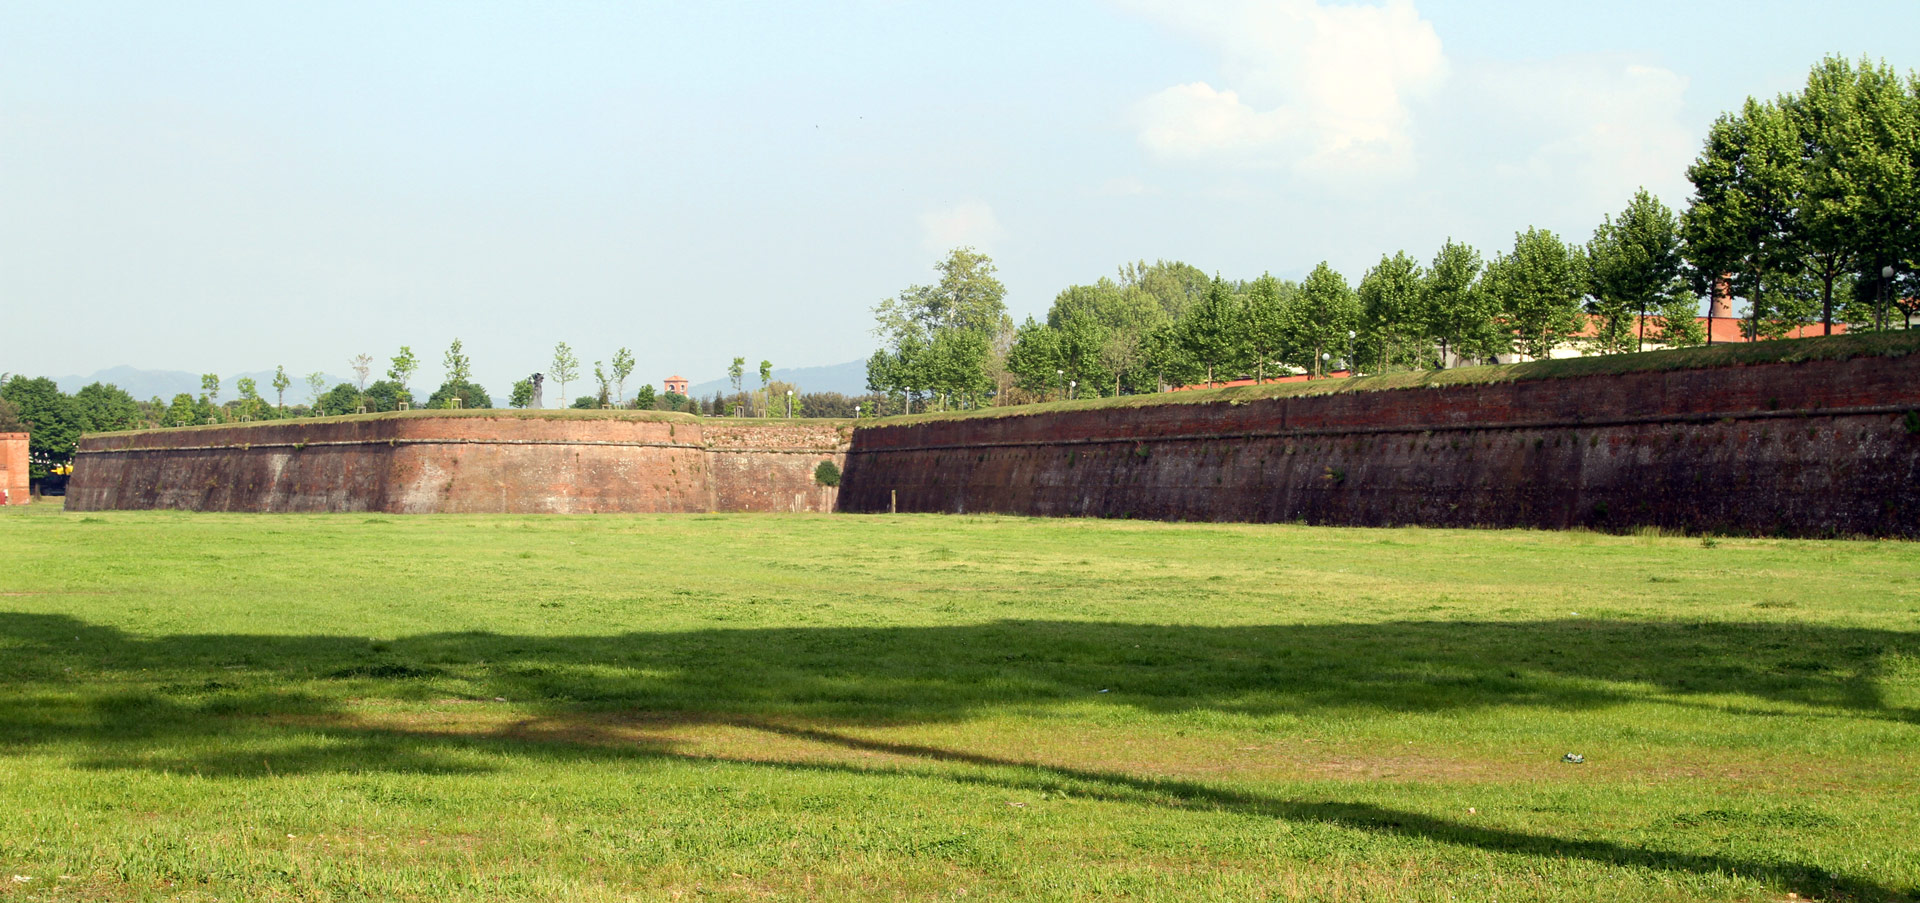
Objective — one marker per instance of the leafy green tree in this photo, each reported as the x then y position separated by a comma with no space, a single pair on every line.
967,297
601,379
926,330
565,367
471,395
623,364
1858,130
1164,355
1747,181
210,386
1538,288
1457,312
1321,321
105,408
585,403
1265,327
250,405
402,367
386,395
1392,322
1084,346
316,387
522,394
1172,285
458,367
1636,274
674,401
1210,332
343,398
1123,315
643,398
957,368
183,411
761,404
1034,359
362,365
52,420
280,383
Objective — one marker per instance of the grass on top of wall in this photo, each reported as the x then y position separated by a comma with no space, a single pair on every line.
497,414
921,707
1844,347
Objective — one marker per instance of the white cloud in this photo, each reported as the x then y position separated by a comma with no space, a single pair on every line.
965,223
1124,187
1324,90
1586,130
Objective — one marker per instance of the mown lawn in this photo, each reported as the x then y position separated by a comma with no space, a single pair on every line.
741,707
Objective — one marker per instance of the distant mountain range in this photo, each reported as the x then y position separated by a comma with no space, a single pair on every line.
849,378
145,384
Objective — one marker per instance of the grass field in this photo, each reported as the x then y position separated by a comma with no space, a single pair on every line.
740,707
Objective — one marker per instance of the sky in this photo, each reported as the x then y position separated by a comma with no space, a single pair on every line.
228,187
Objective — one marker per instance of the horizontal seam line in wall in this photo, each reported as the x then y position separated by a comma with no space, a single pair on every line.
778,451
247,446
1428,428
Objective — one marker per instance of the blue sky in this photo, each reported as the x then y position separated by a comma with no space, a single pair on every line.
231,186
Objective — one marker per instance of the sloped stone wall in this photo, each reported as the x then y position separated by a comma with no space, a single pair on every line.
432,462
1814,448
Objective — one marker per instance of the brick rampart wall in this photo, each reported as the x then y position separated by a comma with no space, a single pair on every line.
1812,448
470,463
15,485
760,466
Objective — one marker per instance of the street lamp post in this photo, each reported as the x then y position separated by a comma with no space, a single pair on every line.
856,412
1325,356
909,399
789,404
1072,384
1060,377
1886,295
1350,338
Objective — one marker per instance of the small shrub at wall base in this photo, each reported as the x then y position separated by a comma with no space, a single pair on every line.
827,474
1912,422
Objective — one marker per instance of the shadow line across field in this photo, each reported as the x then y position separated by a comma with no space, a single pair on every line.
206,703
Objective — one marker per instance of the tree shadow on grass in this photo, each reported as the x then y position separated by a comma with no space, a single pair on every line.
244,705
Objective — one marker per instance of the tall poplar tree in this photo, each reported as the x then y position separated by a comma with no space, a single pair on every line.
1210,332
402,367
1538,288
1636,274
1391,327
458,366
1320,318
1266,325
565,367
1456,311
623,364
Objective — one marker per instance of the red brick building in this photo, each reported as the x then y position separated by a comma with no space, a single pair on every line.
13,469
677,385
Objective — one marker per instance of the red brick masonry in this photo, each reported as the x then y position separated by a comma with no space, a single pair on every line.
436,461
14,484
1807,449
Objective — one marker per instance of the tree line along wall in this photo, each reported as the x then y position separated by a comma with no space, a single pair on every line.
492,462
1813,448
